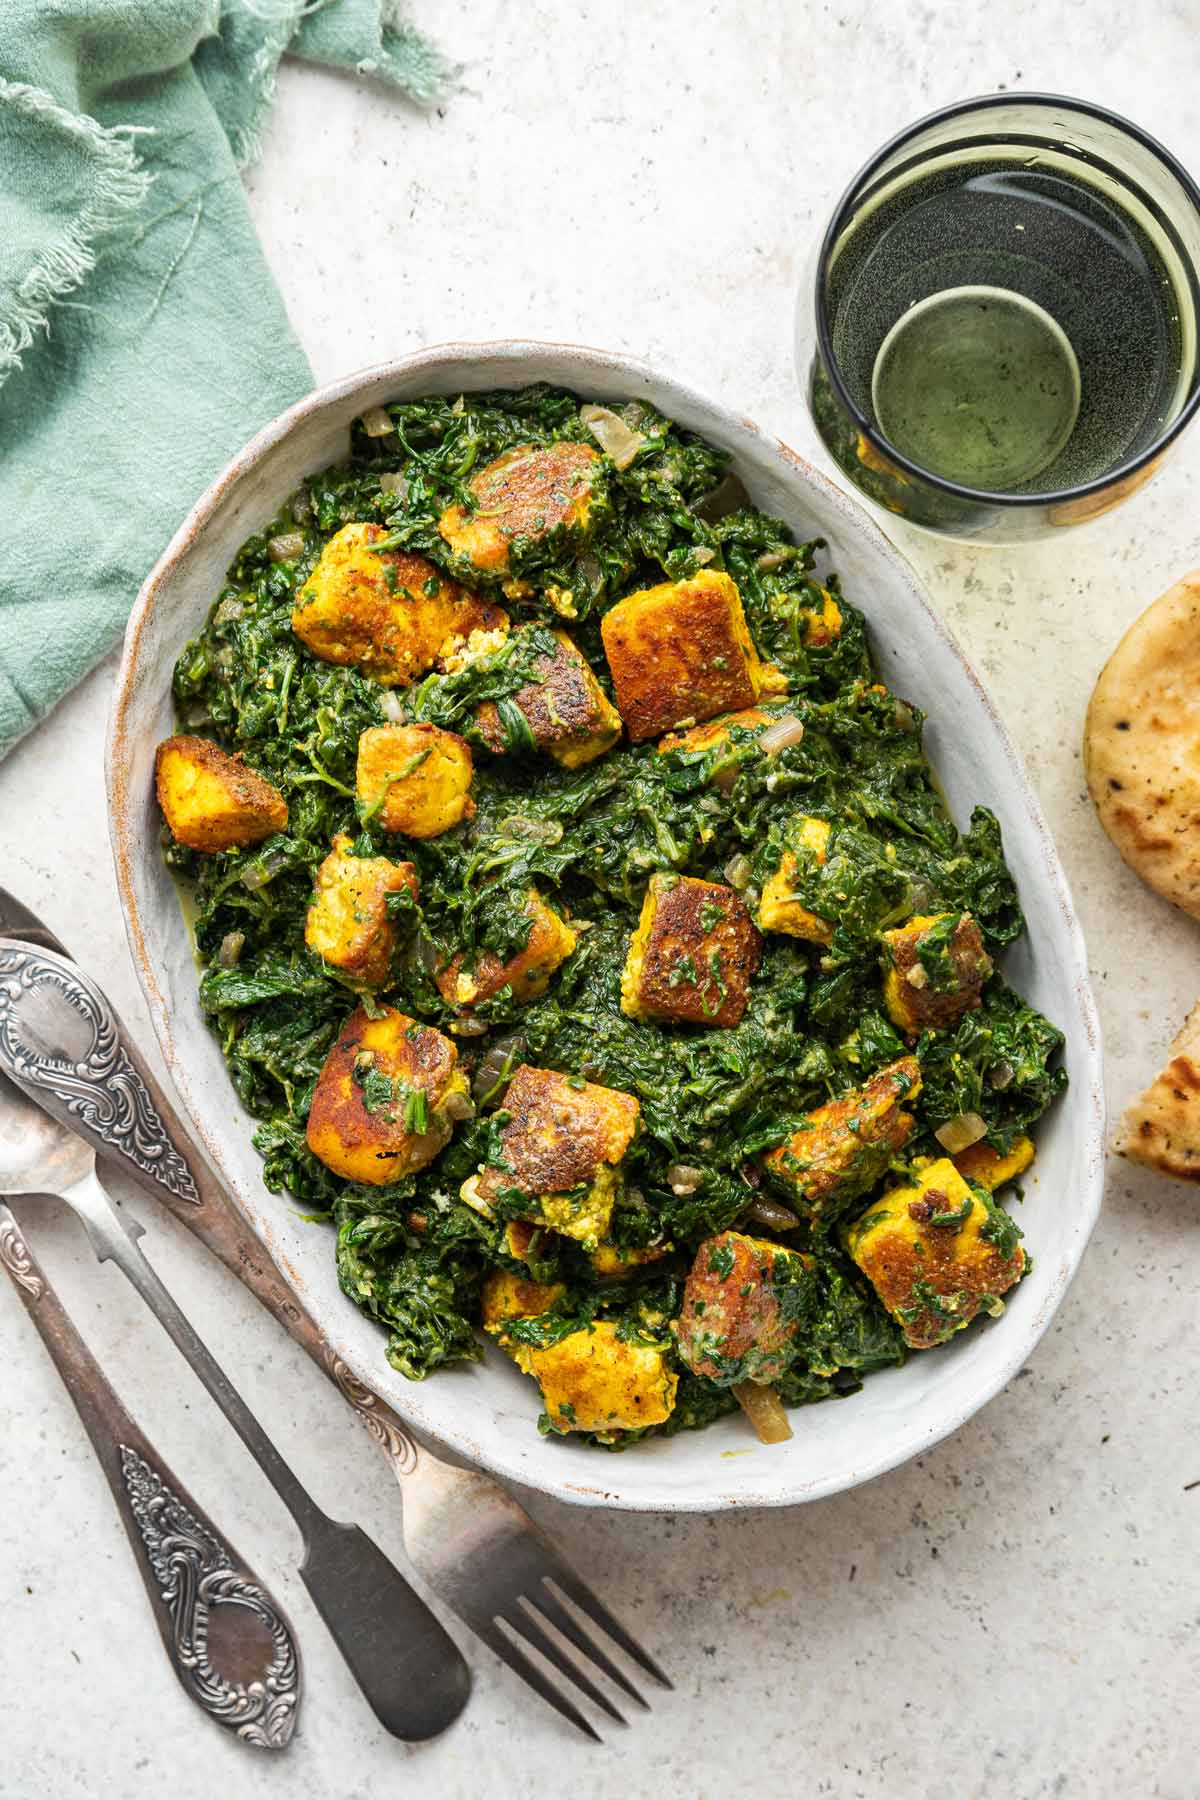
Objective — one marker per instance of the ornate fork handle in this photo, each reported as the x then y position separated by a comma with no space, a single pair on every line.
189,1570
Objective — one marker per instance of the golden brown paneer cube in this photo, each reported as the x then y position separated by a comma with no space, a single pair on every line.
595,1380
937,1253
387,612
415,779
680,653
823,624
692,956
348,924
934,969
561,1145
741,1309
527,492
505,1295
550,942
563,711
994,1169
211,800
386,1101
612,1262
734,736
845,1146
779,908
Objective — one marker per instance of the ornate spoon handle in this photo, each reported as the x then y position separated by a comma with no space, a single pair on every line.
229,1643
89,1072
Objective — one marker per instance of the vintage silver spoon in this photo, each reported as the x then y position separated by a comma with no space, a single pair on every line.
227,1639
356,1590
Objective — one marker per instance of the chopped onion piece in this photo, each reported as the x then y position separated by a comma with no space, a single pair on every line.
528,826
737,872
483,1207
786,730
683,1179
391,705
232,945
496,1070
301,506
612,434
702,554
773,559
960,1133
765,1411
393,482
457,1106
772,1214
376,422
1000,1075
287,545
727,497
230,609
633,1200
259,873
468,1028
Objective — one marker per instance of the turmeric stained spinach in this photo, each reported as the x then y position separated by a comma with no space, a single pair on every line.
803,1003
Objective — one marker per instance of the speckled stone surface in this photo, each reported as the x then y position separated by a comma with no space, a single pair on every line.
1013,1615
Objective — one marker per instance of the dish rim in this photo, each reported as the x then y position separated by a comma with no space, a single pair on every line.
1087,1076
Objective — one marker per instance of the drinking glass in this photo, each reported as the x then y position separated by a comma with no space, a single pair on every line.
1001,339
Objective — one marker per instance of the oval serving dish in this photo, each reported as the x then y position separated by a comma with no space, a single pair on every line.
487,1411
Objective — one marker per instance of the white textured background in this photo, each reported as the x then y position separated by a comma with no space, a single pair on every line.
1015,1614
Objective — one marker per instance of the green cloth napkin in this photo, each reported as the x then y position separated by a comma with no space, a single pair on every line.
142,338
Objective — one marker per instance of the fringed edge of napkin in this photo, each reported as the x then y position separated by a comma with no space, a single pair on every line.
120,184
309,30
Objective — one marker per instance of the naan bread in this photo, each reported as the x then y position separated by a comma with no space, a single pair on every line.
1142,745
1161,1128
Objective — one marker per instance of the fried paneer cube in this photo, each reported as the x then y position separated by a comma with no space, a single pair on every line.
563,711
387,612
595,1380
693,955
680,653
934,969
994,1169
211,800
716,731
730,740
742,1306
505,1295
386,1100
612,1262
846,1145
550,942
561,1146
526,493
823,624
529,1243
779,908
416,779
348,924
937,1253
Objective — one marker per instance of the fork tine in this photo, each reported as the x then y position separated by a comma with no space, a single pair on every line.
548,1602
564,1577
531,1627
519,1663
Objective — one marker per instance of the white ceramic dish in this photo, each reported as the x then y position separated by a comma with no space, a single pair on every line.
487,1411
